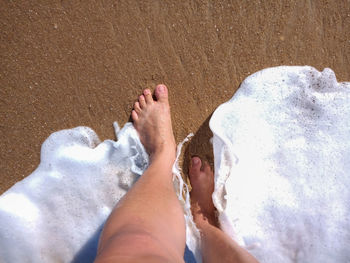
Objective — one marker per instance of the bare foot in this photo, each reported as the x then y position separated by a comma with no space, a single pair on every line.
152,120
216,246
202,182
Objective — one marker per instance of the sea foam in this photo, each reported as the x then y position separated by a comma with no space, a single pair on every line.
282,165
57,213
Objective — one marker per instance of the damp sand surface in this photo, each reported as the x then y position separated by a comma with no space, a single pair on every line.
66,64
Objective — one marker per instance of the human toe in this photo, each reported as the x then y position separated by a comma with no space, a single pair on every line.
148,96
195,167
142,101
137,107
206,168
161,93
134,116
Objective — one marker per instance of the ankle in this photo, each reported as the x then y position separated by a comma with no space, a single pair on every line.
164,152
166,155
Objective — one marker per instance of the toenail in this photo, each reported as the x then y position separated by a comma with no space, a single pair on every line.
195,160
147,91
161,88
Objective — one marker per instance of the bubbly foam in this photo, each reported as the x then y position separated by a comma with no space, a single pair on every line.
57,213
282,159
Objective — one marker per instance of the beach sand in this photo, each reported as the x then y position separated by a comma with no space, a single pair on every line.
83,63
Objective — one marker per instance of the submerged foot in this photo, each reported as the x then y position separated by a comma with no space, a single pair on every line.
152,121
202,182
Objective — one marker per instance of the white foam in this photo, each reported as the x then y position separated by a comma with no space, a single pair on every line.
282,159
56,213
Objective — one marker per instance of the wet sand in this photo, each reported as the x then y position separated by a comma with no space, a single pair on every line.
67,63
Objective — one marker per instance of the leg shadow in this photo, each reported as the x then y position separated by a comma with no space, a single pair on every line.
189,257
88,252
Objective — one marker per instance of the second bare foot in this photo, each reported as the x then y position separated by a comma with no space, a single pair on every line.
202,182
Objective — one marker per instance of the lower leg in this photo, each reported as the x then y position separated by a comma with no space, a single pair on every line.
216,245
148,223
